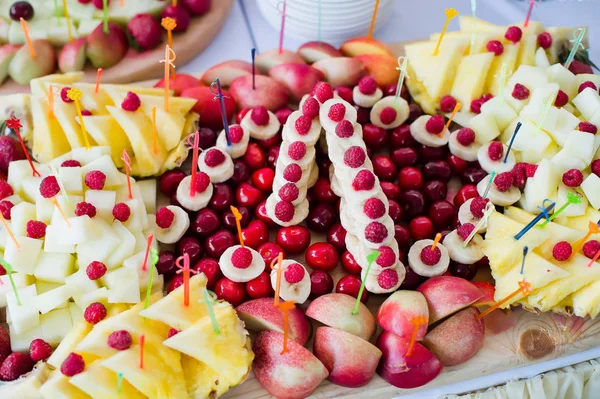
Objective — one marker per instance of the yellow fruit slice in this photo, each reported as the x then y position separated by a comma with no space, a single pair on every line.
49,140
100,382
107,132
68,344
586,301
202,381
180,105
39,86
470,24
94,102
169,125
508,58
58,387
470,77
527,50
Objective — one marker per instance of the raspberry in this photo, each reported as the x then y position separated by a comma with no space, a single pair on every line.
374,208
5,207
241,258
292,173
545,40
260,116
39,350
94,313
591,248
311,107
337,112
323,92
303,124
562,251
494,46
388,115
513,34
355,157
386,257
578,68
202,182
429,257
495,151
72,365
485,98
387,279
120,340
6,190
572,178
476,106
297,150
284,211
588,127
344,129
520,92
70,163
596,167
367,85
164,217
85,208
435,124
464,230
345,93
289,192
95,270
85,112
49,187
465,136
236,134
95,179
64,96
36,229
477,207
121,212
519,177
214,157
562,99
376,232
15,365
294,273
364,181
586,85
530,169
172,332
132,102
503,181
99,4
447,104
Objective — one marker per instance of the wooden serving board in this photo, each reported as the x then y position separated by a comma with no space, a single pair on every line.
138,66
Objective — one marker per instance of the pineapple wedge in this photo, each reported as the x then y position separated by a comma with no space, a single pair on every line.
527,50
58,387
169,125
39,86
508,58
470,77
202,381
586,301
68,344
94,102
66,114
100,382
470,24
49,140
107,132
177,105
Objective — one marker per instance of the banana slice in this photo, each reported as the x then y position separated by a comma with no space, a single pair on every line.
241,264
461,254
465,216
417,265
290,132
385,280
313,175
301,191
360,253
304,162
366,100
466,153
237,149
218,173
300,212
398,104
496,196
326,122
373,235
261,132
335,184
172,234
295,281
490,166
419,132
198,201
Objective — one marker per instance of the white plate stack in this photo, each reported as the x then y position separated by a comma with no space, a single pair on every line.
340,19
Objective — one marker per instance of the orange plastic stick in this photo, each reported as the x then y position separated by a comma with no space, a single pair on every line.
154,132
9,231
524,288
169,58
195,148
142,342
457,108
278,259
27,39
238,218
373,18
169,24
285,307
148,245
417,322
592,229
98,76
595,258
436,241
125,158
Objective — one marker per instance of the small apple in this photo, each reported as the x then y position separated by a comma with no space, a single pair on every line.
317,51
446,295
226,72
396,313
335,310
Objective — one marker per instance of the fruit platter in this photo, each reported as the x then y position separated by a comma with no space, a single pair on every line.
327,222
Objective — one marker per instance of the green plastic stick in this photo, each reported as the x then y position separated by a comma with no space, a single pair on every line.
105,17
119,382
153,262
402,68
370,259
208,299
57,12
577,42
487,189
9,270
571,199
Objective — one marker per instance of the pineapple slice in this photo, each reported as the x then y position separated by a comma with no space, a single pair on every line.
470,77
100,382
68,344
581,223
586,301
66,114
202,381
470,24
107,132
94,102
39,86
177,105
169,125
175,158
49,140
508,57
58,387
527,50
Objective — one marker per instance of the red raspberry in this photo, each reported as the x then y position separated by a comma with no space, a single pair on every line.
64,96
288,192
596,167
15,365
519,177
85,208
303,124
121,212
495,151
132,102
376,232
202,182
260,116
562,99
591,248
94,313
284,211
578,68
85,112
164,217
49,187
297,150
99,4
387,279
294,273
95,179
292,173
503,181
337,112
486,97
323,92
39,350
477,207
95,270
70,163
387,257
374,208
344,129
311,107
588,127
465,230
36,229
5,207
172,332
241,258
572,178
476,106
465,136
6,190
545,40
435,124
530,169
562,251
214,157
72,365
388,115
120,340
447,104
367,85
513,34
494,46
520,92
429,257
345,93
586,85
364,181
355,157
236,133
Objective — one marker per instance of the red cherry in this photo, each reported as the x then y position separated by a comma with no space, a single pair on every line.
363,115
222,197
375,137
229,221
441,214
384,168
410,178
215,245
395,211
170,180
401,137
402,235
241,172
175,282
256,234
240,115
337,237
464,194
350,285
260,213
321,256
433,153
457,165
321,191
190,246
248,195
421,228
230,291
391,190
269,143
294,239
405,156
435,190
349,264
411,279
324,165
414,203
205,223
207,137
259,287
270,251
254,157
212,271
272,156
321,217
283,114
321,283
263,179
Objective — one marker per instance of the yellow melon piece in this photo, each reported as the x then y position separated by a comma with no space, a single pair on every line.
470,77
49,140
527,50
107,132
470,24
